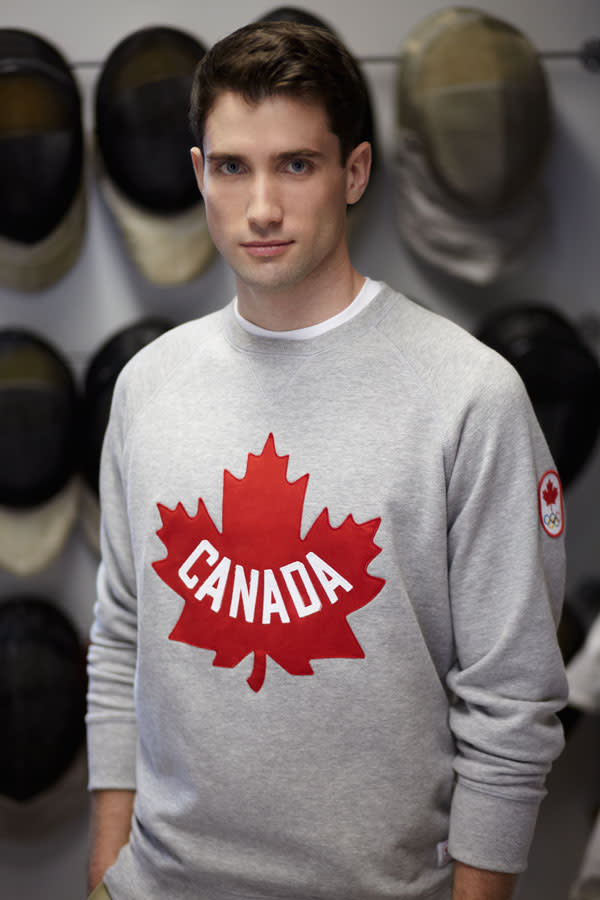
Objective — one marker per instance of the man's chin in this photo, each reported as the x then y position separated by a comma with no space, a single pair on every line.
267,277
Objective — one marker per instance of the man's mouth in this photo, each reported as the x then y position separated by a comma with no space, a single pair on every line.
266,248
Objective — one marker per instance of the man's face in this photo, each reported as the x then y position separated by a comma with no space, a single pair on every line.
275,191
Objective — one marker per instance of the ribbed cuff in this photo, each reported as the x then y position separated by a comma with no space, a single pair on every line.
112,751
491,832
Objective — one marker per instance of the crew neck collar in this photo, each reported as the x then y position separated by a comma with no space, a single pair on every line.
368,291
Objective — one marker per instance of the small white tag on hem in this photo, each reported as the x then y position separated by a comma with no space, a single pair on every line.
443,856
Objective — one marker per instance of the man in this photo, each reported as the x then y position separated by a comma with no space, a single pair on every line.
324,661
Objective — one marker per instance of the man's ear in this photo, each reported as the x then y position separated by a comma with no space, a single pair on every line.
358,168
198,164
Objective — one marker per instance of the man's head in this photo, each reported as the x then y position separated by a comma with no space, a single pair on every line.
268,59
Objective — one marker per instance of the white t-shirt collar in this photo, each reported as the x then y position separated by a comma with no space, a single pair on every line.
369,290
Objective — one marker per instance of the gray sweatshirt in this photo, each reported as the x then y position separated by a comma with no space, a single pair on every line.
324,652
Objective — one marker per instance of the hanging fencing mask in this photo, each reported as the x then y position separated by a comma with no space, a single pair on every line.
42,185
143,153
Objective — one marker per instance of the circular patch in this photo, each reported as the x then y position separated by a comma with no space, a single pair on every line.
550,499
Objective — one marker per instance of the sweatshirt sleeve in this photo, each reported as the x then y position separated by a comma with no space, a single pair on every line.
111,719
506,577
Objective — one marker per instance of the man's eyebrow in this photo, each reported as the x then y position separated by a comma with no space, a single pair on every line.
305,152
221,155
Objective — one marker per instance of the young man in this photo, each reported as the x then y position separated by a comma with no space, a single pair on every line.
324,661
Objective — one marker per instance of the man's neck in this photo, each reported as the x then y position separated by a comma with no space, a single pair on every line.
301,306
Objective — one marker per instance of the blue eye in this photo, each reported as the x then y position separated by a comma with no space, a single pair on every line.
298,166
231,167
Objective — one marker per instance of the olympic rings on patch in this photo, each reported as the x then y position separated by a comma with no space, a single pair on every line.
552,520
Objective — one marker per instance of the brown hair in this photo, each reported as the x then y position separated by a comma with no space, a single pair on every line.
265,59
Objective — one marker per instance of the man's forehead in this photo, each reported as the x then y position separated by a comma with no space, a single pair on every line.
232,114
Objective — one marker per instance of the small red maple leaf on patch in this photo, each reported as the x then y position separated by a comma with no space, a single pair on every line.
258,586
550,493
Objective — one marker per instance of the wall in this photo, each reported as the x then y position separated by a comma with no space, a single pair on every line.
103,292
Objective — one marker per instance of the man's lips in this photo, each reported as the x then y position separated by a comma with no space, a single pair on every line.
266,248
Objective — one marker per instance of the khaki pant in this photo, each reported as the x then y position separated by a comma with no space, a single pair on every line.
99,893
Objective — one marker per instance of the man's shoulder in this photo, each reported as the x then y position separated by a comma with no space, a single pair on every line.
173,347
153,366
437,348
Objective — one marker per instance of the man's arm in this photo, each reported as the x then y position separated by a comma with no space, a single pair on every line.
110,828
112,659
480,884
507,681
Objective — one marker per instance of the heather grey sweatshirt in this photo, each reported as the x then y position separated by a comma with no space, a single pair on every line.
324,642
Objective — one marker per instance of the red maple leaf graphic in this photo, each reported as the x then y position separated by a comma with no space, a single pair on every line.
258,586
550,493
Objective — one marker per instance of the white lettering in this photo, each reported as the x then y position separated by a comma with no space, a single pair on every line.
245,589
327,575
244,592
214,586
184,570
272,600
302,608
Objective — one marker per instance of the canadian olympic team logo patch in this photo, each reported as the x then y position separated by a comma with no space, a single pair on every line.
550,497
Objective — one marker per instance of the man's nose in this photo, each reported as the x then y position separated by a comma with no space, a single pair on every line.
264,203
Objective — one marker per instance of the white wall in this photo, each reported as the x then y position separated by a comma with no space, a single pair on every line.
103,292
